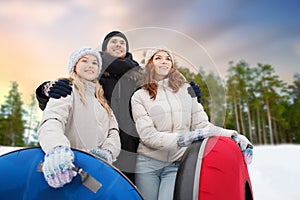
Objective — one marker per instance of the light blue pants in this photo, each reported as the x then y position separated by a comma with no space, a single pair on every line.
155,179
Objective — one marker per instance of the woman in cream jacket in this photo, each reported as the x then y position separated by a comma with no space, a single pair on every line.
82,120
168,120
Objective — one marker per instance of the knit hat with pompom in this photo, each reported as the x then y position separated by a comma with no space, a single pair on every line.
150,53
82,51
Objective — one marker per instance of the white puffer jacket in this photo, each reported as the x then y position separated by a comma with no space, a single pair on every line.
68,122
160,121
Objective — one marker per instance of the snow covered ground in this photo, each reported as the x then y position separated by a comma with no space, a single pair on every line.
274,171
5,149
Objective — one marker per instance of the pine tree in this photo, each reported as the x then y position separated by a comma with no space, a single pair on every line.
269,85
237,86
292,113
217,99
32,122
12,124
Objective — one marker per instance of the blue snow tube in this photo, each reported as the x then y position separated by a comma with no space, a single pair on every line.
20,178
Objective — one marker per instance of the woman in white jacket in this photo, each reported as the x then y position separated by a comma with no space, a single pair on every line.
168,120
82,120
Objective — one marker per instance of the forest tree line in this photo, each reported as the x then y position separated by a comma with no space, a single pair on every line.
252,100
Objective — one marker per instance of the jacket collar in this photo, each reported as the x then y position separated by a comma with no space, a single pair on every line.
90,88
164,82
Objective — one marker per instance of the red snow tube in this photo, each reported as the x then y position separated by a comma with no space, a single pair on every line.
212,170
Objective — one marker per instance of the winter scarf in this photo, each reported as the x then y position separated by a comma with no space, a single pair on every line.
117,66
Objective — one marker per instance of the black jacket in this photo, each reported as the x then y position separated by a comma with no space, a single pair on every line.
119,79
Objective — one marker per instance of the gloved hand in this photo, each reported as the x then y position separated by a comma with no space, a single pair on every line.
195,91
245,145
57,166
186,139
57,89
104,154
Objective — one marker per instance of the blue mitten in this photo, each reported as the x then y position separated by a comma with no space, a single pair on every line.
57,89
104,154
57,166
248,155
195,91
245,146
186,139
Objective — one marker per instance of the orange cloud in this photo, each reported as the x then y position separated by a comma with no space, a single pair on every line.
25,63
32,12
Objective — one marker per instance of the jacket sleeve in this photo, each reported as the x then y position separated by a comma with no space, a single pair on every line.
41,97
149,135
112,143
200,121
52,126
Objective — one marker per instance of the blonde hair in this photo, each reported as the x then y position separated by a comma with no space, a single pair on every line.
176,79
80,85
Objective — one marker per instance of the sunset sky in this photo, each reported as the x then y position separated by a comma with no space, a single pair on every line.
38,36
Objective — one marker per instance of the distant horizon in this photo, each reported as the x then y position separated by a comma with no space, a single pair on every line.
26,96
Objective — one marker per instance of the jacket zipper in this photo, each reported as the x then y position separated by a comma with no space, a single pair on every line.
171,111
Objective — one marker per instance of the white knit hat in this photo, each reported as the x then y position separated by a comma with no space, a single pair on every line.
150,53
82,51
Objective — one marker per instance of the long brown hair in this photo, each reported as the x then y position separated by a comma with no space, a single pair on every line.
176,79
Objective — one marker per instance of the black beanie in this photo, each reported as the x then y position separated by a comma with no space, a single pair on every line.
112,34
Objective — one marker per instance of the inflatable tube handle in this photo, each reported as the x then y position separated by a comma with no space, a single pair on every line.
87,180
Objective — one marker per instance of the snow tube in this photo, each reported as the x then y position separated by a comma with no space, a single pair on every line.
20,178
211,170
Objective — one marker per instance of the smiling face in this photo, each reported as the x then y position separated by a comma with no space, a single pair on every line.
116,47
162,62
87,67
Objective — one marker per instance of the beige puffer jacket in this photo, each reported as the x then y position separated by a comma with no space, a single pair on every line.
68,122
159,122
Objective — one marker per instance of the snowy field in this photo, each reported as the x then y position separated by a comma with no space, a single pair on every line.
274,171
